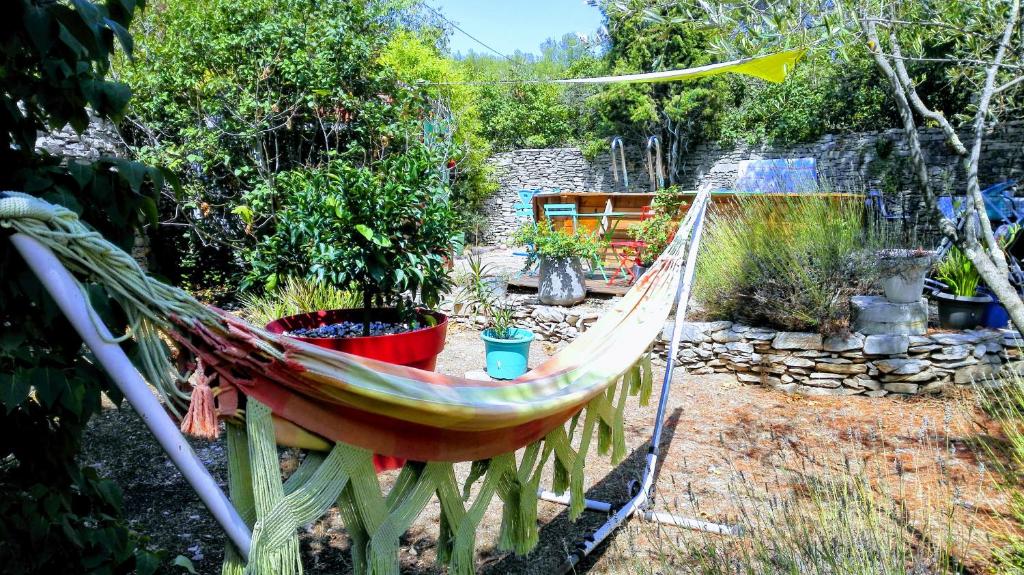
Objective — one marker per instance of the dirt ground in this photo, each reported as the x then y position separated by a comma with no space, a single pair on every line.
718,432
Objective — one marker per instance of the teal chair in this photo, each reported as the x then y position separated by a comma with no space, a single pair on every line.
526,195
569,211
524,213
563,211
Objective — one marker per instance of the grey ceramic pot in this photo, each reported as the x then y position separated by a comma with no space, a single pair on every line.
561,281
902,274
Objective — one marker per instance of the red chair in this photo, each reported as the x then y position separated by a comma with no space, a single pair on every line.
628,251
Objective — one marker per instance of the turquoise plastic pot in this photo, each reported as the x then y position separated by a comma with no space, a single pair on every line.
507,358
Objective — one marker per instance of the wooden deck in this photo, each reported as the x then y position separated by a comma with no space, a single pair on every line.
596,286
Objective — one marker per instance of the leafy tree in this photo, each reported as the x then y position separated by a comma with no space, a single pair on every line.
455,119
232,92
979,46
520,109
645,36
56,517
382,229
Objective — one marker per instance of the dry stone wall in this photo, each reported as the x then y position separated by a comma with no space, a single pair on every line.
99,139
873,365
847,162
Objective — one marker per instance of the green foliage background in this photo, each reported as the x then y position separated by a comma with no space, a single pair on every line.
56,517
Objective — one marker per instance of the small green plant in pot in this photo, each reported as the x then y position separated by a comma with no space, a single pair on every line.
960,304
477,286
507,347
561,255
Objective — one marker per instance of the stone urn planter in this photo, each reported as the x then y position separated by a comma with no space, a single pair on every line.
561,281
961,312
902,273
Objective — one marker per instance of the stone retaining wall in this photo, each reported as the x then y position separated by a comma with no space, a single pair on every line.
873,365
795,362
848,162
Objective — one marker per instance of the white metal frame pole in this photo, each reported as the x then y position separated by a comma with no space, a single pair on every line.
639,501
64,289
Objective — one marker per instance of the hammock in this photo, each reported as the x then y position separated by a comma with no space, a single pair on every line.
298,393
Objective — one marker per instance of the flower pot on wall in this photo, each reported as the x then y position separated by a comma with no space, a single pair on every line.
902,273
961,312
507,358
561,281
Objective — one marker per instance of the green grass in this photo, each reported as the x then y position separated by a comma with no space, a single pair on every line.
1003,399
295,296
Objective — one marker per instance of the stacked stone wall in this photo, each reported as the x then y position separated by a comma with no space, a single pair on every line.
848,162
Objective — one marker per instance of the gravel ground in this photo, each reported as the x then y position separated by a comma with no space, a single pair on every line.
716,429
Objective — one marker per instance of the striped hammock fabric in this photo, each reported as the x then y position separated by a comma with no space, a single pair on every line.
355,407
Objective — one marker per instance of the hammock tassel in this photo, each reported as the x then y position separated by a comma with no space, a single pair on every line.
201,418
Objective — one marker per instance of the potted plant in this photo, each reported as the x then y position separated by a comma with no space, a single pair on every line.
506,347
902,272
477,285
960,305
655,232
561,254
382,231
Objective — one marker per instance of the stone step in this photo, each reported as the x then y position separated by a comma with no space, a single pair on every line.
875,315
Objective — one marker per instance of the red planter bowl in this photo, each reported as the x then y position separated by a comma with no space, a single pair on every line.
418,348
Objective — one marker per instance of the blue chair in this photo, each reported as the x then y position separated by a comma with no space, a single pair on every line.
999,204
526,195
524,213
876,205
563,211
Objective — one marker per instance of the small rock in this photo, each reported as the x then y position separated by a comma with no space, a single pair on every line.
877,393
936,386
760,334
909,388
798,362
726,336
955,338
797,340
886,344
843,369
926,375
748,378
971,373
901,366
843,342
740,346
547,314
954,352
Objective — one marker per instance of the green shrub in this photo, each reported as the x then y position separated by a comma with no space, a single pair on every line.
55,515
545,240
655,233
786,262
383,230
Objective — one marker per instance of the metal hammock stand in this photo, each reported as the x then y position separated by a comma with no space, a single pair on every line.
63,288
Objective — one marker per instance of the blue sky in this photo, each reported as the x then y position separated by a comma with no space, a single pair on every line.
512,25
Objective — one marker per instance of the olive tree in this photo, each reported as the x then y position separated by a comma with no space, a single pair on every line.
975,45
